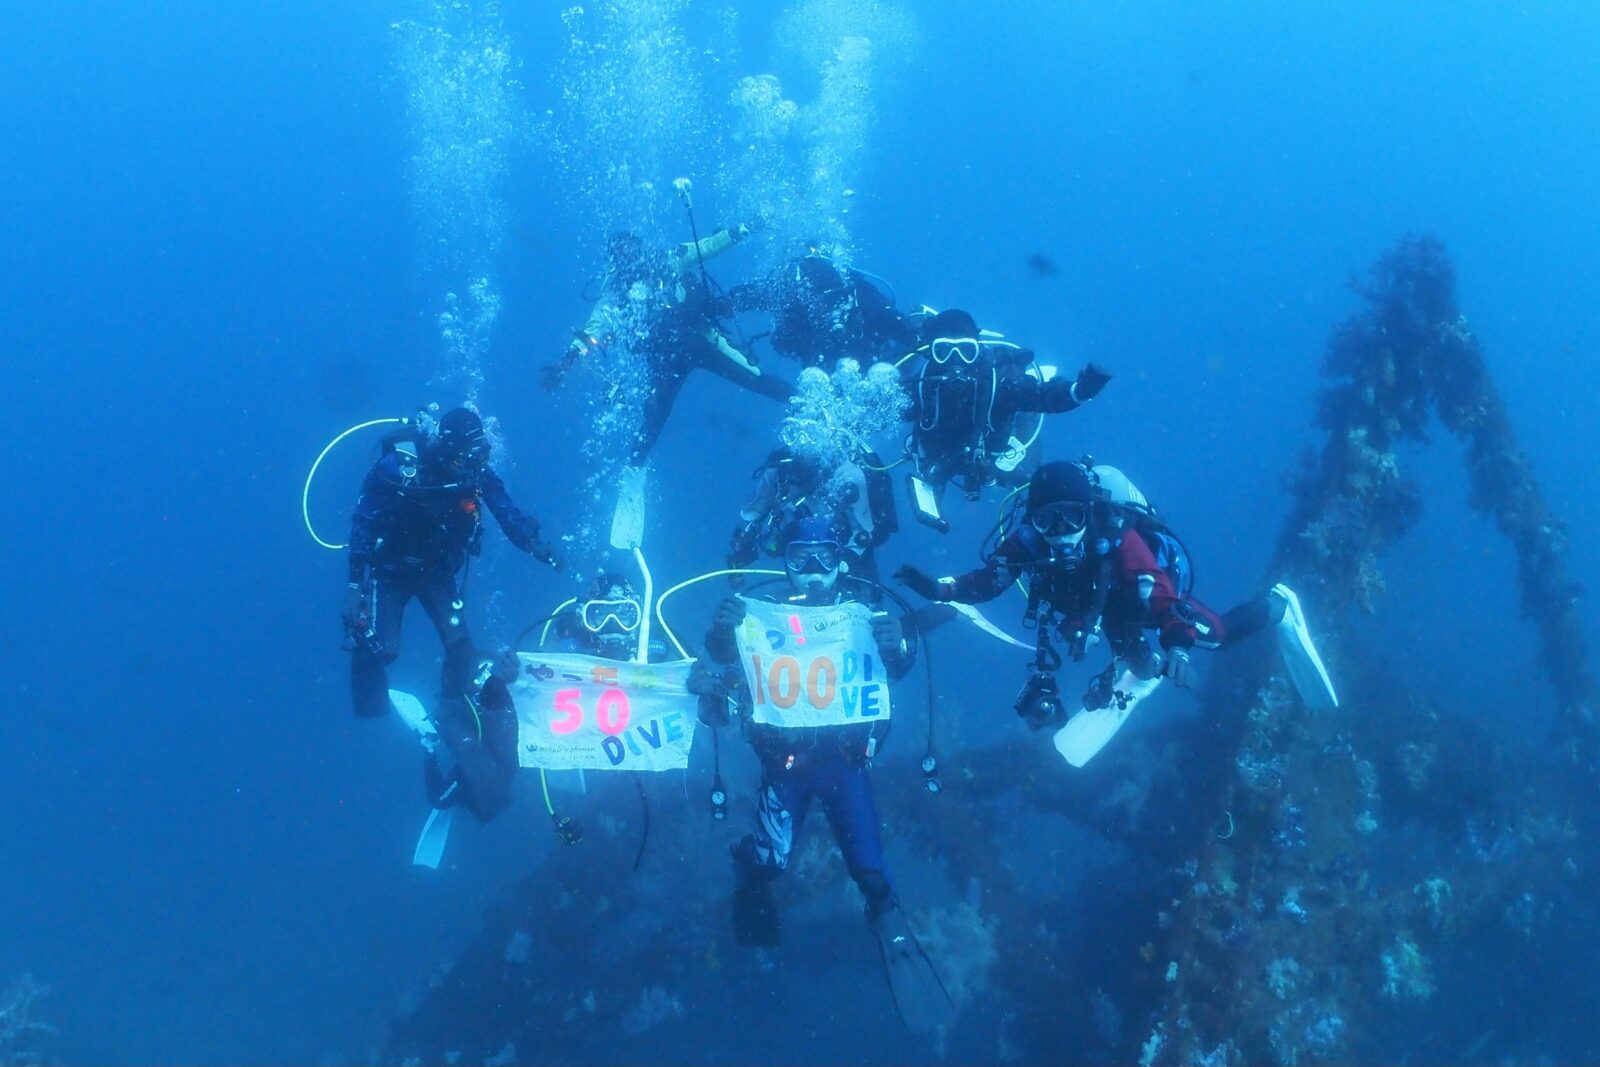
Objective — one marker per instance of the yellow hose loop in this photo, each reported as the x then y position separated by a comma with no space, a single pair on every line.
305,494
661,619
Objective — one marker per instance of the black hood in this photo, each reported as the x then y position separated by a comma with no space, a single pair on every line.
1058,481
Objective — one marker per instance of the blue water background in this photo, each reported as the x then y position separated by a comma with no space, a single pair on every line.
208,266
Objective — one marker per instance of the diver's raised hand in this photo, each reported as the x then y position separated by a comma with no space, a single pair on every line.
702,680
506,666
711,692
1091,379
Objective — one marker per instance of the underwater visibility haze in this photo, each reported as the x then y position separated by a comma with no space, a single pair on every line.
1317,280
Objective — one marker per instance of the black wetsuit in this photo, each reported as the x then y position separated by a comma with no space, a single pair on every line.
822,312
481,733
683,341
656,307
963,415
410,536
1115,583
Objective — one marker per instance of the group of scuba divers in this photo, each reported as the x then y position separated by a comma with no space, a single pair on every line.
1096,562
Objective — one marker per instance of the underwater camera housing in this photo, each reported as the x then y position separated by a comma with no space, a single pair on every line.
1039,703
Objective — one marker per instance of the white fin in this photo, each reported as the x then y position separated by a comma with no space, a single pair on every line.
1300,656
414,715
976,618
431,842
1087,732
627,522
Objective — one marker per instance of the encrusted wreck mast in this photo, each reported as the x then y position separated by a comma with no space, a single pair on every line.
1387,880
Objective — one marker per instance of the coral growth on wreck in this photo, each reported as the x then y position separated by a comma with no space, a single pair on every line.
1372,849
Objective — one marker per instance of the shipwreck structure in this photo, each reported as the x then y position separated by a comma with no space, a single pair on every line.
1255,884
1392,882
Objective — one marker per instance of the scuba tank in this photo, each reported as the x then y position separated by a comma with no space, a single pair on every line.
1130,509
410,439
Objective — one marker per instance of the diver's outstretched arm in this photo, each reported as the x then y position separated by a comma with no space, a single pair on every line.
520,529
1027,393
689,255
974,587
726,361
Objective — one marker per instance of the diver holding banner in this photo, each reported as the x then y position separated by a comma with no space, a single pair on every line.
817,668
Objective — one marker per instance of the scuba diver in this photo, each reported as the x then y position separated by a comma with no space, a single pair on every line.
606,622
419,517
659,306
827,763
1099,564
967,391
823,311
855,497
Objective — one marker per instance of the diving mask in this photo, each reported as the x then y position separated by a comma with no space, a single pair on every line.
966,349
812,557
598,614
1062,518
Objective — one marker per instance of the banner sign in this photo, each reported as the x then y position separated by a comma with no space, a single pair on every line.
812,666
577,712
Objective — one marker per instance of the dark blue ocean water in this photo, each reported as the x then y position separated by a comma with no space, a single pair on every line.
213,257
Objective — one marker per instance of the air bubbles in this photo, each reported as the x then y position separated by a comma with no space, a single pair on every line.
465,110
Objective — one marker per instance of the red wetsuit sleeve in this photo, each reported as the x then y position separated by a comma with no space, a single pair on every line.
1138,561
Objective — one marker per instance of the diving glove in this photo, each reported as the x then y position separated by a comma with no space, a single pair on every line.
888,634
711,693
351,614
730,613
545,552
921,583
1176,667
1091,379
506,666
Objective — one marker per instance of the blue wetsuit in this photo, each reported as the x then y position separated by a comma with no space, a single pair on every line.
826,763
